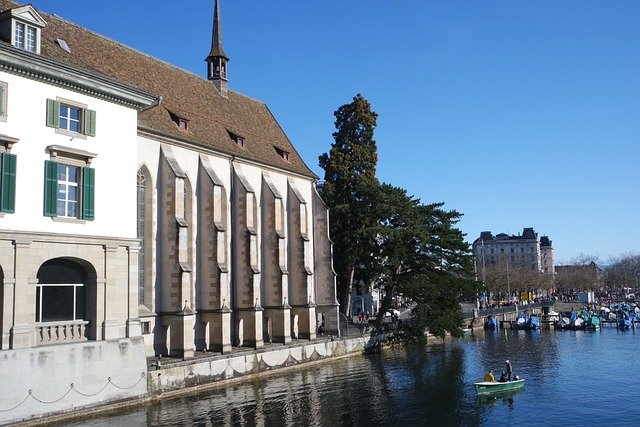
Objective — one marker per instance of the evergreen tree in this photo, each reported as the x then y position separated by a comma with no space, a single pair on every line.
388,239
350,185
422,256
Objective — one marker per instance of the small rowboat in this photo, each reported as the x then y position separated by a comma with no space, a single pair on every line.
487,387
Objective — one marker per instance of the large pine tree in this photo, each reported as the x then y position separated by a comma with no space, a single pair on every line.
350,186
388,239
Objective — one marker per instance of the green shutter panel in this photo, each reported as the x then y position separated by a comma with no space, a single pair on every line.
50,188
88,190
89,122
8,199
53,113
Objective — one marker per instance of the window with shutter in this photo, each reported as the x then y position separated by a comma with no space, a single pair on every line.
50,188
69,190
71,118
88,189
8,185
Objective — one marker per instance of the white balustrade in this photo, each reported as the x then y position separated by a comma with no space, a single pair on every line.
61,332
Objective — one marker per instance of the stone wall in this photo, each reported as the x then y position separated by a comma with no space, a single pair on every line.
184,375
55,379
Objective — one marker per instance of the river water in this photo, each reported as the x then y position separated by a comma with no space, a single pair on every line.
582,377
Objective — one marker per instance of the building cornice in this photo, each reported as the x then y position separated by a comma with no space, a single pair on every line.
36,67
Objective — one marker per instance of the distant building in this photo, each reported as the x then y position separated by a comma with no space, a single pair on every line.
526,251
364,299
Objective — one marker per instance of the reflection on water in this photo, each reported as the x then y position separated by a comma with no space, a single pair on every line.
506,397
428,385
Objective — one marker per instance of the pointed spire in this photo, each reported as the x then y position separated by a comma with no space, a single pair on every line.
217,59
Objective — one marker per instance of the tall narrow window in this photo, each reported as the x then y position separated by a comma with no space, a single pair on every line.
19,35
31,39
68,191
142,188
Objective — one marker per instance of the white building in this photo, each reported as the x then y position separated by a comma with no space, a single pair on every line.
222,241
527,251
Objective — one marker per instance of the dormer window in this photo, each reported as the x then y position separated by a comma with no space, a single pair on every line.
21,27
181,121
239,140
25,37
284,154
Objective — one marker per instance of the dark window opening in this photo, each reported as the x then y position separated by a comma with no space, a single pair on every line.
282,153
237,139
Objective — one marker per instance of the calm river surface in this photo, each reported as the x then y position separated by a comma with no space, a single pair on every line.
587,378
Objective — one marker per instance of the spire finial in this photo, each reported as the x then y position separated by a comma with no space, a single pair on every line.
217,59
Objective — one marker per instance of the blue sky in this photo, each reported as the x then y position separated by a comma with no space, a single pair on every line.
517,114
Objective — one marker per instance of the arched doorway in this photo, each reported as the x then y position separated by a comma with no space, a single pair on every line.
64,301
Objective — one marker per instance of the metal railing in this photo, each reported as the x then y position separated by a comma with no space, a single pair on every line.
469,314
349,328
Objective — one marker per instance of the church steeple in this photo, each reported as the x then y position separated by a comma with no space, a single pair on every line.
217,60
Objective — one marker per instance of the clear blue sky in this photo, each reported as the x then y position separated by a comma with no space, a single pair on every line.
517,114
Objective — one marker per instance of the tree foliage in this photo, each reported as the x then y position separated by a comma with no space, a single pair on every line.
423,257
502,278
350,186
388,239
623,272
582,274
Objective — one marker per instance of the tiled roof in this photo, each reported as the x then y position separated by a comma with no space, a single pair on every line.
211,116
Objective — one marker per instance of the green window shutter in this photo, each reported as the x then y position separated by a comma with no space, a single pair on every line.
8,199
50,188
88,190
53,113
89,122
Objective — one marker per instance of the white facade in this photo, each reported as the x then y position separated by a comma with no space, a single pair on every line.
114,143
512,252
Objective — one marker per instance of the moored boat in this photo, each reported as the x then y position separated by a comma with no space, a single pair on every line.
487,387
624,322
563,323
534,323
492,323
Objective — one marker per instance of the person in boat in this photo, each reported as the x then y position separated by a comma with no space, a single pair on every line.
503,377
489,377
509,369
